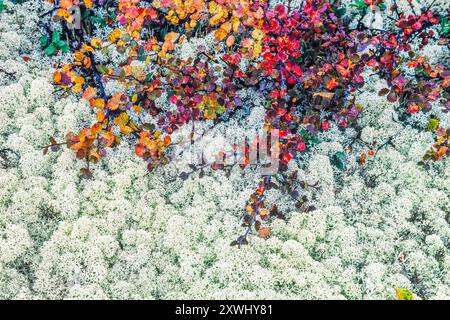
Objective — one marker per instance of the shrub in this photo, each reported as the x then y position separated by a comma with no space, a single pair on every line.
308,61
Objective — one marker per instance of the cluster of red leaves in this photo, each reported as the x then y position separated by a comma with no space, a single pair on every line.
313,56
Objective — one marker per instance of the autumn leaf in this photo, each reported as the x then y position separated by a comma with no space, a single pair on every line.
97,103
89,93
264,232
100,116
403,294
139,149
230,41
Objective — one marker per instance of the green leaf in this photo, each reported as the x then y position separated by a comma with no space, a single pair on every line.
148,77
339,12
44,41
445,26
122,75
99,20
148,126
141,56
55,37
163,32
50,50
60,44
65,48
339,160
433,124
101,69
220,109
2,6
360,5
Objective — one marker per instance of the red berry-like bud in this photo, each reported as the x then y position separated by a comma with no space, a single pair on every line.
301,146
287,157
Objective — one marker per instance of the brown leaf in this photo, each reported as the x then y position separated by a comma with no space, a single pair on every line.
322,97
86,173
383,92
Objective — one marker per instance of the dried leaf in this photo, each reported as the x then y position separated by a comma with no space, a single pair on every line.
86,173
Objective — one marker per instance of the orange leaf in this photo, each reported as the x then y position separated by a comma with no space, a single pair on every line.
167,140
109,137
97,103
100,116
96,128
139,149
89,93
220,34
87,62
264,232
57,77
65,4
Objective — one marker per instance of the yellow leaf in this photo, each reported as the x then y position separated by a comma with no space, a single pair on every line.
96,42
122,119
403,294
136,108
230,41
77,88
236,24
114,35
109,137
220,34
257,34
226,26
171,37
126,130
